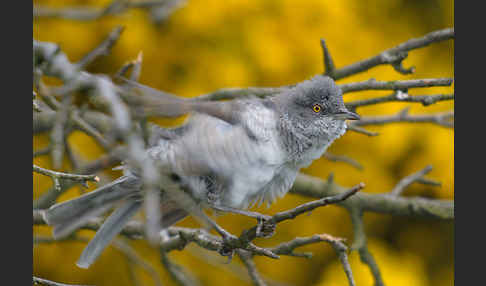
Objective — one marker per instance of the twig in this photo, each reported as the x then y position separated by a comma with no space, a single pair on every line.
395,55
251,234
247,260
401,97
176,271
41,152
442,119
102,49
361,246
358,129
373,84
114,8
232,93
407,181
84,126
378,203
56,176
345,159
329,67
341,249
41,281
57,135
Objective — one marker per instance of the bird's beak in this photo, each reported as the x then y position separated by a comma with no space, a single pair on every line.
345,114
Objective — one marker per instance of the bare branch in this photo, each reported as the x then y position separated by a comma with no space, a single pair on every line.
358,129
361,246
395,55
251,234
379,203
56,176
442,119
247,260
373,84
407,181
160,9
341,249
329,67
45,282
401,97
103,49
176,272
345,159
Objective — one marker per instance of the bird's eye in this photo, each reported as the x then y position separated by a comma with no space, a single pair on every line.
316,108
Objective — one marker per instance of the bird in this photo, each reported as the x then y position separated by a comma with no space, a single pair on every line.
229,154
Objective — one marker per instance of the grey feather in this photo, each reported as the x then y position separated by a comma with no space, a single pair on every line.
110,228
68,216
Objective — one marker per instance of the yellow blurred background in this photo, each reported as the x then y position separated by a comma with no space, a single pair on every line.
210,44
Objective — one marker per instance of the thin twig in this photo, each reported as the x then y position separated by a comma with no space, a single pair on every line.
395,55
345,159
360,244
247,260
401,97
373,84
103,49
45,282
56,176
329,67
341,249
407,181
176,271
443,119
116,7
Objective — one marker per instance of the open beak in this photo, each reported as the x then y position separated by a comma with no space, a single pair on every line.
346,115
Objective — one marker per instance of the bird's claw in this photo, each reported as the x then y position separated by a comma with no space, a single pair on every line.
265,228
226,248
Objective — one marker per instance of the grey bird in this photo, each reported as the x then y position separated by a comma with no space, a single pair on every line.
229,154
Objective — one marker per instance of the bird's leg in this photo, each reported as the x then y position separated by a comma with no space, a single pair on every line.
265,228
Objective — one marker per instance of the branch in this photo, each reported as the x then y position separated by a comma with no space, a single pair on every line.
55,176
378,203
45,282
395,55
329,67
176,271
345,159
442,119
361,246
373,84
160,10
407,181
247,260
103,49
251,234
401,97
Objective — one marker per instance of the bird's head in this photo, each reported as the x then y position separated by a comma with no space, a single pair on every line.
316,108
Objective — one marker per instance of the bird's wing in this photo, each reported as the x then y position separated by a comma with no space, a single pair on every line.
213,146
159,103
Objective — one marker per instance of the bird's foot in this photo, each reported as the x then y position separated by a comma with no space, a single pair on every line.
265,227
227,248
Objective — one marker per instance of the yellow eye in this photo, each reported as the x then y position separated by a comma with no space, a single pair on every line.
316,108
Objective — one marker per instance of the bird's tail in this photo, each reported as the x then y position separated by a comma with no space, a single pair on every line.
123,193
66,217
